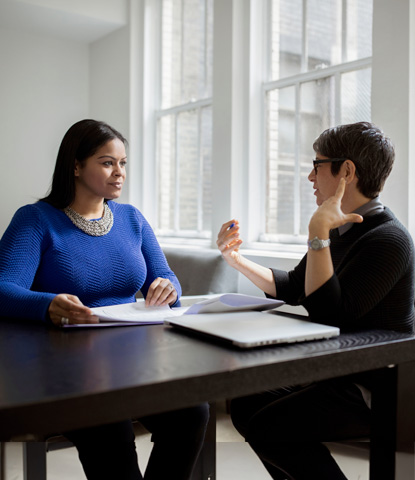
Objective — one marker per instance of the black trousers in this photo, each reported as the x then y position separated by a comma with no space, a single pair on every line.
108,451
285,427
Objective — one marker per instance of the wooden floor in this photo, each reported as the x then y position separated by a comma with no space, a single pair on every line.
235,459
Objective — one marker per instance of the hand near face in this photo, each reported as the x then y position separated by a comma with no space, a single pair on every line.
228,242
329,214
71,308
161,292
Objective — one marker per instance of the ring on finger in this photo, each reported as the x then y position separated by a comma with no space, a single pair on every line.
64,321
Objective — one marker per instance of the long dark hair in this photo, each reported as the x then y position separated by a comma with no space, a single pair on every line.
80,142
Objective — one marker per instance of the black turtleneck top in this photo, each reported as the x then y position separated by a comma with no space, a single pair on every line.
373,281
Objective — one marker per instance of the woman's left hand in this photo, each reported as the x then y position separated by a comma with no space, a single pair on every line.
329,214
161,292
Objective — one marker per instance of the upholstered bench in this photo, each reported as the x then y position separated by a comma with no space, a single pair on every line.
201,271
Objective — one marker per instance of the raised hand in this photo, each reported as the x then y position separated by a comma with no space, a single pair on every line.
329,214
228,242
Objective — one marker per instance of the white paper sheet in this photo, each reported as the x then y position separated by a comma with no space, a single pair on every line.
233,302
128,314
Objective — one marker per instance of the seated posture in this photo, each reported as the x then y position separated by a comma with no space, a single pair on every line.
358,273
76,249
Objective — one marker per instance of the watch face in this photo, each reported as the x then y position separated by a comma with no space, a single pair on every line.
316,244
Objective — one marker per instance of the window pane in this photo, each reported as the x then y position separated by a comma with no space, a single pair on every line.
188,158
185,131
323,33
286,37
206,156
311,34
280,160
355,96
316,114
187,29
185,204
171,52
166,156
290,200
359,29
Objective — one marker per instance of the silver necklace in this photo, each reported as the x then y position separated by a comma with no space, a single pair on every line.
96,228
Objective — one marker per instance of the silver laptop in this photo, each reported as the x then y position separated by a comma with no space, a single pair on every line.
253,329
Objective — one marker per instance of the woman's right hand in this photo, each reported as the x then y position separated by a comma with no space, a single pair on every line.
68,309
228,242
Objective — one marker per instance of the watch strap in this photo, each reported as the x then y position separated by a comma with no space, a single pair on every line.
317,243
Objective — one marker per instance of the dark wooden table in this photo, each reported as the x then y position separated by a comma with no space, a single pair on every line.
52,380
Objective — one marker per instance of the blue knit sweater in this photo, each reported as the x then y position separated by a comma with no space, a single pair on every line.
43,254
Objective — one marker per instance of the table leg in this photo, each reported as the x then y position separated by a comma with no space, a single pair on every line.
205,468
393,425
405,422
2,461
34,461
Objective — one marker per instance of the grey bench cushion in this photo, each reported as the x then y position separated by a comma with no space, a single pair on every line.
201,272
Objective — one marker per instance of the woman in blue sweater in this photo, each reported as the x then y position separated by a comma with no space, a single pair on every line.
76,249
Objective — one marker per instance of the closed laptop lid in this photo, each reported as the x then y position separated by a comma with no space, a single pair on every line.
253,329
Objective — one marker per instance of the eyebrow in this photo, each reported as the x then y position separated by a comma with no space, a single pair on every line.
110,156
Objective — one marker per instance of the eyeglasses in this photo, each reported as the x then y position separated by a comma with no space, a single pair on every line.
317,161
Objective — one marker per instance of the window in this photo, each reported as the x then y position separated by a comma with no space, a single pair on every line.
318,56
319,65
184,119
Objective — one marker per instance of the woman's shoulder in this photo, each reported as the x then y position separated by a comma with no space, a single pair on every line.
31,218
125,209
33,210
393,226
384,232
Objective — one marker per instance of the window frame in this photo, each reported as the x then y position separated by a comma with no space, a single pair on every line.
159,112
241,172
304,76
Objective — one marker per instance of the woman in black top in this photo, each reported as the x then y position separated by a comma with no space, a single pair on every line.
358,273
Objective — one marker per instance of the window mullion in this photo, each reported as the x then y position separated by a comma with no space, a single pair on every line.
205,46
200,172
318,74
268,53
338,98
304,53
297,206
344,53
177,175
182,51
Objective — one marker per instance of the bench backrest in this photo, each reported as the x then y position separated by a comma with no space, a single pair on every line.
201,272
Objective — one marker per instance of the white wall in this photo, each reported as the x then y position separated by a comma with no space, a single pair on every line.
109,90
393,99
43,90
80,20
107,10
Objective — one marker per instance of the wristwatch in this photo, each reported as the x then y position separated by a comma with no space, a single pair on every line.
317,244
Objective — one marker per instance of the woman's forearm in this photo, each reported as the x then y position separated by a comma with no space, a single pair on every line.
319,269
259,275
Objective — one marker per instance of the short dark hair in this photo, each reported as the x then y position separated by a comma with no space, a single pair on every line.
80,142
366,146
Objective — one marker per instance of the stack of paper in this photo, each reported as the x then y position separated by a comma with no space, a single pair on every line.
137,313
